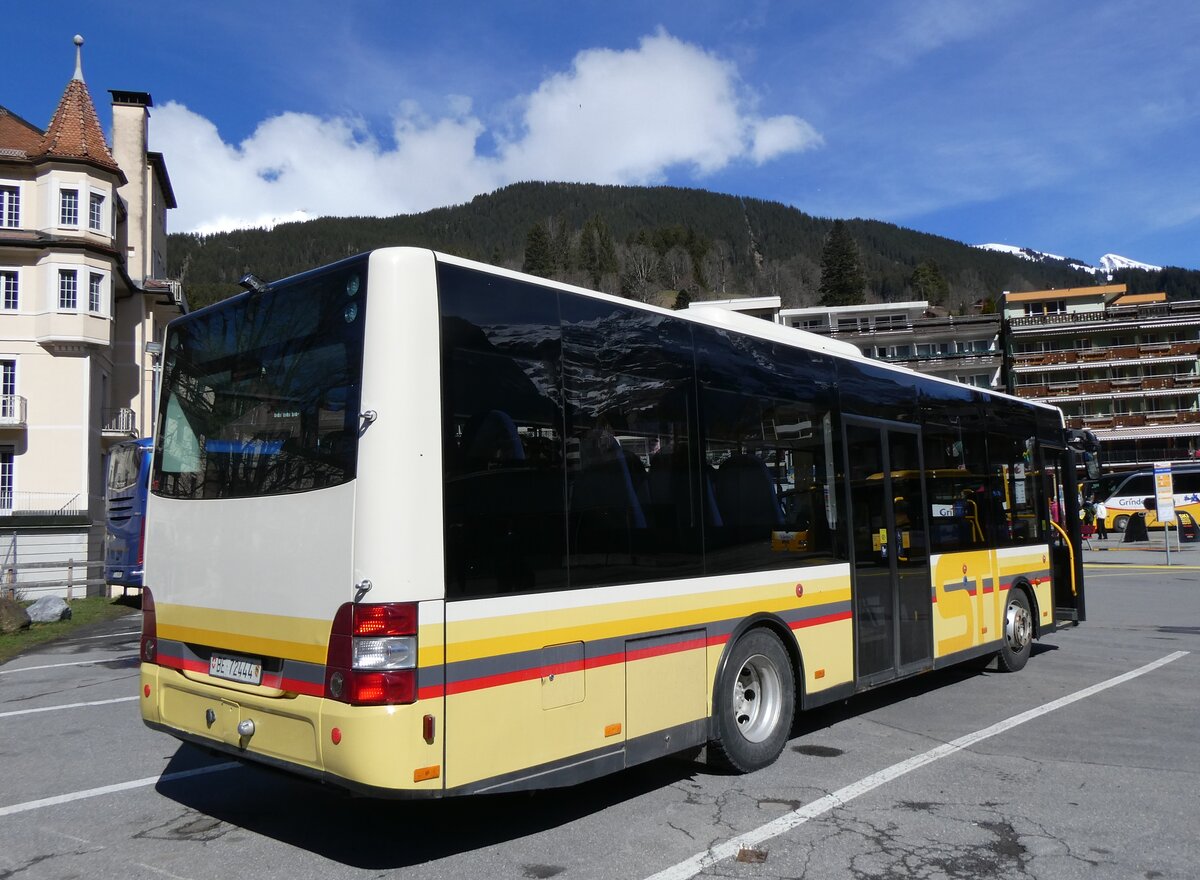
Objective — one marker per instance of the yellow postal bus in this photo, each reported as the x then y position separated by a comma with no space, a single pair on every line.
423,527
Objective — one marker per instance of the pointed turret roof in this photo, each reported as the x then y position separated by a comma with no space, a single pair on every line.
74,131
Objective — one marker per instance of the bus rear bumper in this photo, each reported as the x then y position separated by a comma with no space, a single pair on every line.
377,750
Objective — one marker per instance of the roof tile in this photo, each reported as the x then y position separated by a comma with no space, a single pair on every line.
74,131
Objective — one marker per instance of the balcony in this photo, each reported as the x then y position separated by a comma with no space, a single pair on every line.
12,411
120,422
42,504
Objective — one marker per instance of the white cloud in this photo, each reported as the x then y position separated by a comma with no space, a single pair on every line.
782,134
620,117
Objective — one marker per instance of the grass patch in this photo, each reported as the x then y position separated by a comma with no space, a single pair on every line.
84,612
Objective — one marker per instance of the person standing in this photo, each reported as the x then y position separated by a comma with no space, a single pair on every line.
1101,520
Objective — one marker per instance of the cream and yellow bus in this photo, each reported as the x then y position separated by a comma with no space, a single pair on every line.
423,527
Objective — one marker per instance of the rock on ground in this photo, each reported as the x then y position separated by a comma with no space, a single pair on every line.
49,609
12,617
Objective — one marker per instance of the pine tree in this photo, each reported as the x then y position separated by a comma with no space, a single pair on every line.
842,279
927,283
597,250
538,258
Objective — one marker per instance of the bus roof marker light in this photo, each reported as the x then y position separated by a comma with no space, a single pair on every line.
253,283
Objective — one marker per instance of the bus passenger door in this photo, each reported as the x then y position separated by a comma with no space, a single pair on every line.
1066,556
893,605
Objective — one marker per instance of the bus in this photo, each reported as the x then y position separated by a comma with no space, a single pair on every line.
421,527
127,479
1124,495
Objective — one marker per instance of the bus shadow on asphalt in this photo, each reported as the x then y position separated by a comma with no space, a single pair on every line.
363,832
387,834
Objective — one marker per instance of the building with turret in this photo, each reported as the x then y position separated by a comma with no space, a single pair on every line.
84,299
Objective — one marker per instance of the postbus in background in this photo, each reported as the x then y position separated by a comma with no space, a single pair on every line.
424,527
1124,495
127,479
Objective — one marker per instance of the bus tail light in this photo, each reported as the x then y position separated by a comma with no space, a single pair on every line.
372,659
148,650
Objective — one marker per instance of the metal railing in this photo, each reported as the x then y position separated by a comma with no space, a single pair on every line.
119,421
42,503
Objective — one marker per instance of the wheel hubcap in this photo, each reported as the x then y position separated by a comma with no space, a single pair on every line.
1018,626
757,698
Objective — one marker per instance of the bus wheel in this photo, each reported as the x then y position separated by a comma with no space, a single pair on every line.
755,701
1121,523
1018,632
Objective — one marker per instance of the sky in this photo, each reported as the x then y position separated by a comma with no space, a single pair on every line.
1067,127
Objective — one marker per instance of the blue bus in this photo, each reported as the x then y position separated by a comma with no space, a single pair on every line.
127,477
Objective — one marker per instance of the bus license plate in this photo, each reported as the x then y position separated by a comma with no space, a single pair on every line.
241,669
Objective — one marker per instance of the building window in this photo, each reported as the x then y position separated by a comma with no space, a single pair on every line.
96,213
10,206
68,289
95,288
8,390
10,299
6,478
68,207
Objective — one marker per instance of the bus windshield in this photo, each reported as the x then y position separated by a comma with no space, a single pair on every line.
262,391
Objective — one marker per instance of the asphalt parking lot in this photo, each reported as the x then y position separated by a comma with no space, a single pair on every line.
1085,764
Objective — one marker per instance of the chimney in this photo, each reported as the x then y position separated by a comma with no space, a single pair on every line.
131,121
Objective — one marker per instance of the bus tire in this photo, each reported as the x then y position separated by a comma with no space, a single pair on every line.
1121,522
1018,632
754,704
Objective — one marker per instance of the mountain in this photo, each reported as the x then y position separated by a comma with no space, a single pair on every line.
1109,263
634,241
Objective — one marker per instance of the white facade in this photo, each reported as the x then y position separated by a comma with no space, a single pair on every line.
82,290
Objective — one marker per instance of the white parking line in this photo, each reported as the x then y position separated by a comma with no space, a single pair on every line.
136,632
67,706
76,663
109,789
788,821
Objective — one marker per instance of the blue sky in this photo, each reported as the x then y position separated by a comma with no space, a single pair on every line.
1069,127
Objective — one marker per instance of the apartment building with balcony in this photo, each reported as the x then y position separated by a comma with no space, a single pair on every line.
84,299
1124,366
963,348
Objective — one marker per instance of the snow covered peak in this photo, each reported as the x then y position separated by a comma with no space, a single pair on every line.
1112,262
1109,263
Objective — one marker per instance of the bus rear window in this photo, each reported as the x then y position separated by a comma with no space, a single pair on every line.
261,392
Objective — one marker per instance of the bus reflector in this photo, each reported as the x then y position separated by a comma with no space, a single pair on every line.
423,773
612,729
148,651
372,655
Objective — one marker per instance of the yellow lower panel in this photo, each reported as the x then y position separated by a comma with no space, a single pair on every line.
828,652
499,730
666,691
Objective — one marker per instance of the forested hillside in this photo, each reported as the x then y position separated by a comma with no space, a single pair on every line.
639,242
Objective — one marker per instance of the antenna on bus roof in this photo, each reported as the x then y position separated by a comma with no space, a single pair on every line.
253,283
